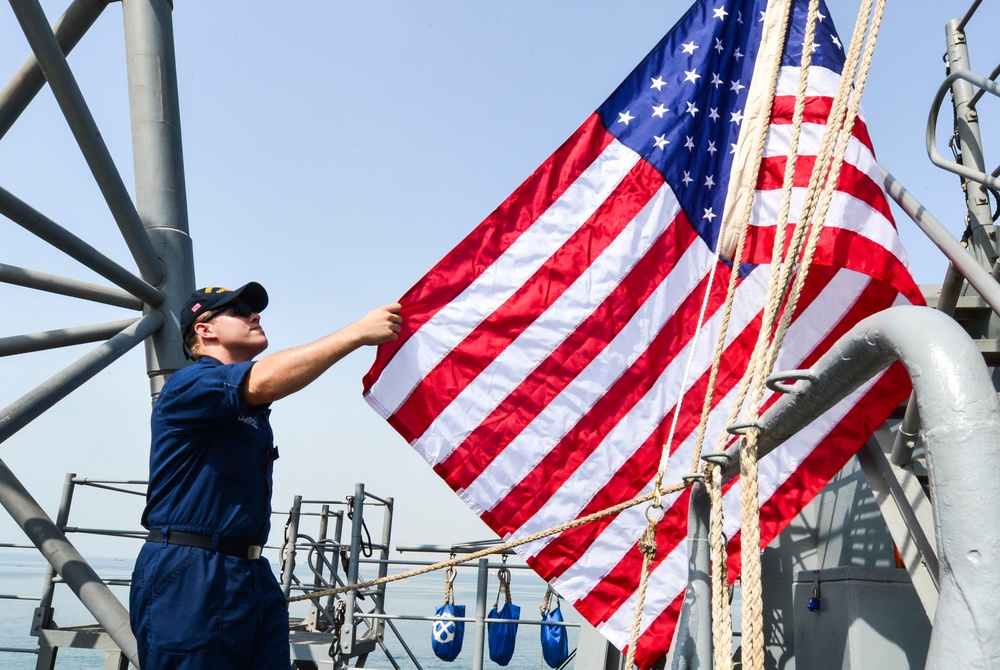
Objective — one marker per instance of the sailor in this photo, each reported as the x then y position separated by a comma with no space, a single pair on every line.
202,596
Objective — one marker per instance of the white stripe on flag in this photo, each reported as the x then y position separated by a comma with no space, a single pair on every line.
846,213
822,81
779,137
666,582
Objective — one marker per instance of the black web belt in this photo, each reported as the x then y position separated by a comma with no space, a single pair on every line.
223,546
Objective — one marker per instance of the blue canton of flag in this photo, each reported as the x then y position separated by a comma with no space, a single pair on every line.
682,107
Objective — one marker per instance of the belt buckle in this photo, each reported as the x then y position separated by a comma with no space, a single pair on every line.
254,551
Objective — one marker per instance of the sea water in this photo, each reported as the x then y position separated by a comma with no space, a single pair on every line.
22,573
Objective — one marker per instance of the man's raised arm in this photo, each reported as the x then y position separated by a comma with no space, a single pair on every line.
285,372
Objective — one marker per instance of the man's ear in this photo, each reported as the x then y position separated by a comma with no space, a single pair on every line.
204,329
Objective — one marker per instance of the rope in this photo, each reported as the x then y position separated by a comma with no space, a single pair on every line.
615,509
847,118
752,648
449,582
722,618
833,147
647,545
737,255
503,574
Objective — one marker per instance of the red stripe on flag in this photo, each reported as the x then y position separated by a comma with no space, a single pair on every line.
635,474
822,464
451,375
494,235
650,647
817,110
852,182
842,248
619,584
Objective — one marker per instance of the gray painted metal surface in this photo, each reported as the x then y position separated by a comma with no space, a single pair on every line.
67,561
692,644
980,278
74,288
161,199
906,511
64,337
868,619
44,228
961,418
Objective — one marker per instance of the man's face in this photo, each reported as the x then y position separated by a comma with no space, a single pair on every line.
237,329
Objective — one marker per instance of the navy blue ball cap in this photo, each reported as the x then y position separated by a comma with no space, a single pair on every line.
214,298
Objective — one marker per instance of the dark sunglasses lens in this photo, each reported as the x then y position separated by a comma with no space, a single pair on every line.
242,309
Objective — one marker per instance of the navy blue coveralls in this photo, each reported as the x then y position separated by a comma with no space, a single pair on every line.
210,470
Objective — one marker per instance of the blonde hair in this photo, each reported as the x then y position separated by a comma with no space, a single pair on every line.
191,339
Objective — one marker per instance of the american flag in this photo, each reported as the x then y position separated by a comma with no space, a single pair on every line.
543,360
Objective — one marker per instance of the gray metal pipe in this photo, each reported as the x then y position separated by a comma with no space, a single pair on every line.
28,81
961,431
976,274
479,638
974,168
33,404
67,562
64,337
383,568
906,435
288,567
41,226
692,645
349,631
160,192
74,288
81,122
62,519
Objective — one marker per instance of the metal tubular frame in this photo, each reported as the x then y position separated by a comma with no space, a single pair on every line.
349,634
64,337
67,93
977,172
961,416
292,534
479,633
28,81
42,227
691,647
67,561
74,288
33,404
971,269
161,199
907,514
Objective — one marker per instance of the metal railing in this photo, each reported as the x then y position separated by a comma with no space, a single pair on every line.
327,544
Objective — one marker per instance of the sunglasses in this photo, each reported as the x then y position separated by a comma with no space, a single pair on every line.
241,309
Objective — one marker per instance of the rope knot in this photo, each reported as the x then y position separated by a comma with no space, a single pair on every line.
647,545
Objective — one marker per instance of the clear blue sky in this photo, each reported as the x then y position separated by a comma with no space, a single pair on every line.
334,152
